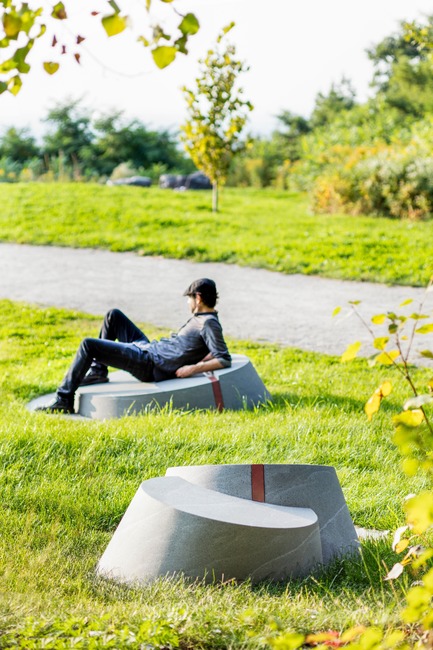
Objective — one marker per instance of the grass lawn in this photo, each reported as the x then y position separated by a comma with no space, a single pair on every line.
65,485
260,228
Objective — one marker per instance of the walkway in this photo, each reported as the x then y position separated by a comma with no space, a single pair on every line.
293,310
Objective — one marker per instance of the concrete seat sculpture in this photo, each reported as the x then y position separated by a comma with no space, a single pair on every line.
221,522
234,388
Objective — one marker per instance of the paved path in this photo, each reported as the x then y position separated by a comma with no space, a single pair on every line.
293,310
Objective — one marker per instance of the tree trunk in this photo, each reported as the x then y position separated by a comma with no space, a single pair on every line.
215,196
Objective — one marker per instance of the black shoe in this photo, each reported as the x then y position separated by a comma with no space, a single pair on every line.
59,405
94,378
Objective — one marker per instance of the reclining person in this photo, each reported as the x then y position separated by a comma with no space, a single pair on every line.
198,346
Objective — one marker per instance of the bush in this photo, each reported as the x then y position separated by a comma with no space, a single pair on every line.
394,182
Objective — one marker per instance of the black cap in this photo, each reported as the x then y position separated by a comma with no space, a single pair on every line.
206,288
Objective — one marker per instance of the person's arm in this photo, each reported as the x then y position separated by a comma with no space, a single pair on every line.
205,365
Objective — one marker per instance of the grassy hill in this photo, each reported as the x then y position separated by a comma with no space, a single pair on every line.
259,228
66,484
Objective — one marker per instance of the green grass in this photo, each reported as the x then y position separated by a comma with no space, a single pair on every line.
259,228
66,484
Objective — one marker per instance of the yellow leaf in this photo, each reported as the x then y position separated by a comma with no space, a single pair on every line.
114,24
410,466
351,351
378,319
51,67
12,25
336,311
406,302
419,512
385,388
425,329
14,85
164,55
380,342
352,633
409,418
402,546
372,406
387,358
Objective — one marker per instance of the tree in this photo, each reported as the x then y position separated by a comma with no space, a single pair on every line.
117,142
340,98
22,26
72,135
217,113
295,126
18,145
404,68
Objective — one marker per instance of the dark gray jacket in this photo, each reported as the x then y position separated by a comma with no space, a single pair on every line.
201,334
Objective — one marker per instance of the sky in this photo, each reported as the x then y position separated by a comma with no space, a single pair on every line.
295,49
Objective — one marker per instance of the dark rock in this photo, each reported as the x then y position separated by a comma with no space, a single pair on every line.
139,181
198,181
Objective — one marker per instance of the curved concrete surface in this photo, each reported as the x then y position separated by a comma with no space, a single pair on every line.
305,486
173,527
234,388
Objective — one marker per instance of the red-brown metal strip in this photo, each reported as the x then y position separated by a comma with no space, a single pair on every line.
217,393
258,483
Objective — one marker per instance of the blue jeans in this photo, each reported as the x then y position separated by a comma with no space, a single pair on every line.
107,351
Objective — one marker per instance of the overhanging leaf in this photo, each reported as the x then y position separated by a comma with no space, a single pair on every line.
11,25
378,319
15,84
59,11
427,353
164,55
351,351
51,67
114,24
189,25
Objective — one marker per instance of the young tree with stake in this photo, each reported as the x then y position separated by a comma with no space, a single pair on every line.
217,113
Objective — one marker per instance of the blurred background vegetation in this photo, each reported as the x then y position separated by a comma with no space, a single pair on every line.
370,158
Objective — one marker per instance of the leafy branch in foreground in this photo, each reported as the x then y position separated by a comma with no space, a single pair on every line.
414,437
21,26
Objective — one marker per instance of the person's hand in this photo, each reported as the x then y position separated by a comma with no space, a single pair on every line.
185,371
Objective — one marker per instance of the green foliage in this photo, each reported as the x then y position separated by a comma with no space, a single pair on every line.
414,438
81,148
22,26
341,98
66,484
18,145
259,228
217,113
404,72
392,180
